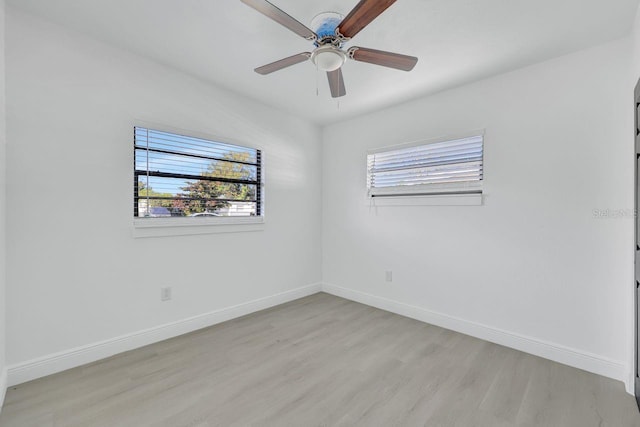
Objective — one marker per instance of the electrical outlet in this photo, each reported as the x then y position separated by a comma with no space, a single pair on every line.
388,275
165,294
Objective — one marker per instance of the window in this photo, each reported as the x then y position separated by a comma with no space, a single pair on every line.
182,176
443,167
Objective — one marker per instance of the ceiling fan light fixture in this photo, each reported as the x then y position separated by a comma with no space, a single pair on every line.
328,58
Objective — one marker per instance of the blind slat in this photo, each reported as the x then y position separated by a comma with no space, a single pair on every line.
445,160
421,152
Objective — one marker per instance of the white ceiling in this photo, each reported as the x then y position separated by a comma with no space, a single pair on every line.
456,41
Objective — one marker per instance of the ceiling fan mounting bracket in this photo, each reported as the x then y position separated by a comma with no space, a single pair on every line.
352,51
329,40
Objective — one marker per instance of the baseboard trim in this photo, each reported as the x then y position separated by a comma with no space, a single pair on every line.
556,352
61,361
53,363
3,386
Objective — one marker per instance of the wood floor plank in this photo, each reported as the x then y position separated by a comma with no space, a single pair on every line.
321,361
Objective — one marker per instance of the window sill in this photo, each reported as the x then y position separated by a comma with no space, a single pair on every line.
162,227
427,200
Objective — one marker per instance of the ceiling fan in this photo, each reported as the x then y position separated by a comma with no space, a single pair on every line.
331,33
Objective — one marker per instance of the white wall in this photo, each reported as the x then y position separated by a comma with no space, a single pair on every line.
2,205
76,275
635,36
532,268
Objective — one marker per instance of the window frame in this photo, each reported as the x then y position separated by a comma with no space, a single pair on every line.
445,194
169,226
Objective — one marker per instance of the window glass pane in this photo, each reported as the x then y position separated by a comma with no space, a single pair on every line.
182,176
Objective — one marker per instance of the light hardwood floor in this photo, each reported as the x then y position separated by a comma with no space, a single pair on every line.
321,361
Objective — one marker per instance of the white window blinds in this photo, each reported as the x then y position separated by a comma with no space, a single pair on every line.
444,167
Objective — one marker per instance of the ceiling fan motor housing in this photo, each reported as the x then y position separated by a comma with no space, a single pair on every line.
327,56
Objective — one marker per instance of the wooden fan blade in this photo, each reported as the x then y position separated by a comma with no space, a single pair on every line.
282,18
386,59
361,15
283,63
336,83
